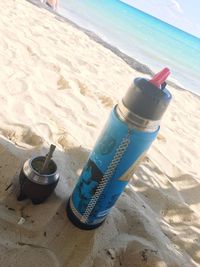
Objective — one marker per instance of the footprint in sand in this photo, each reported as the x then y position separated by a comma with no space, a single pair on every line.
106,101
23,135
62,83
66,141
76,153
32,139
83,88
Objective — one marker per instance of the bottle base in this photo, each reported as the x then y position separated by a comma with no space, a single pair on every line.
76,221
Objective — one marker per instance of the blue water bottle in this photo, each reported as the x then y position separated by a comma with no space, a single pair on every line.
130,130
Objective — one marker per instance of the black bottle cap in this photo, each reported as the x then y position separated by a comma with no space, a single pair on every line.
148,99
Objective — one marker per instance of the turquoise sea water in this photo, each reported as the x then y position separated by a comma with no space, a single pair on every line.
141,36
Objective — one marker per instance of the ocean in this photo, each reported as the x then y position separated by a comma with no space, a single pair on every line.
140,36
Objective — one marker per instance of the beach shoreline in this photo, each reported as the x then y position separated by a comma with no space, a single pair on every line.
133,63
58,86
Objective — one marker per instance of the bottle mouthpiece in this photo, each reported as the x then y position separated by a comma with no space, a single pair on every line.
160,78
148,99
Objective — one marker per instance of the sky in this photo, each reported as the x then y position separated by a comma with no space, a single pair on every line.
183,14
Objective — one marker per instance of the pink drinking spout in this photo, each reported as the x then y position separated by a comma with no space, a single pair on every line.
160,77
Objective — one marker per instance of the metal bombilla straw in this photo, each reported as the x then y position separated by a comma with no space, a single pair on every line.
48,159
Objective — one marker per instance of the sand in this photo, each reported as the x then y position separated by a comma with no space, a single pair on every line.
57,85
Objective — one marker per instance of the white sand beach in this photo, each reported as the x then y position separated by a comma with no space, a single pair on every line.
58,86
